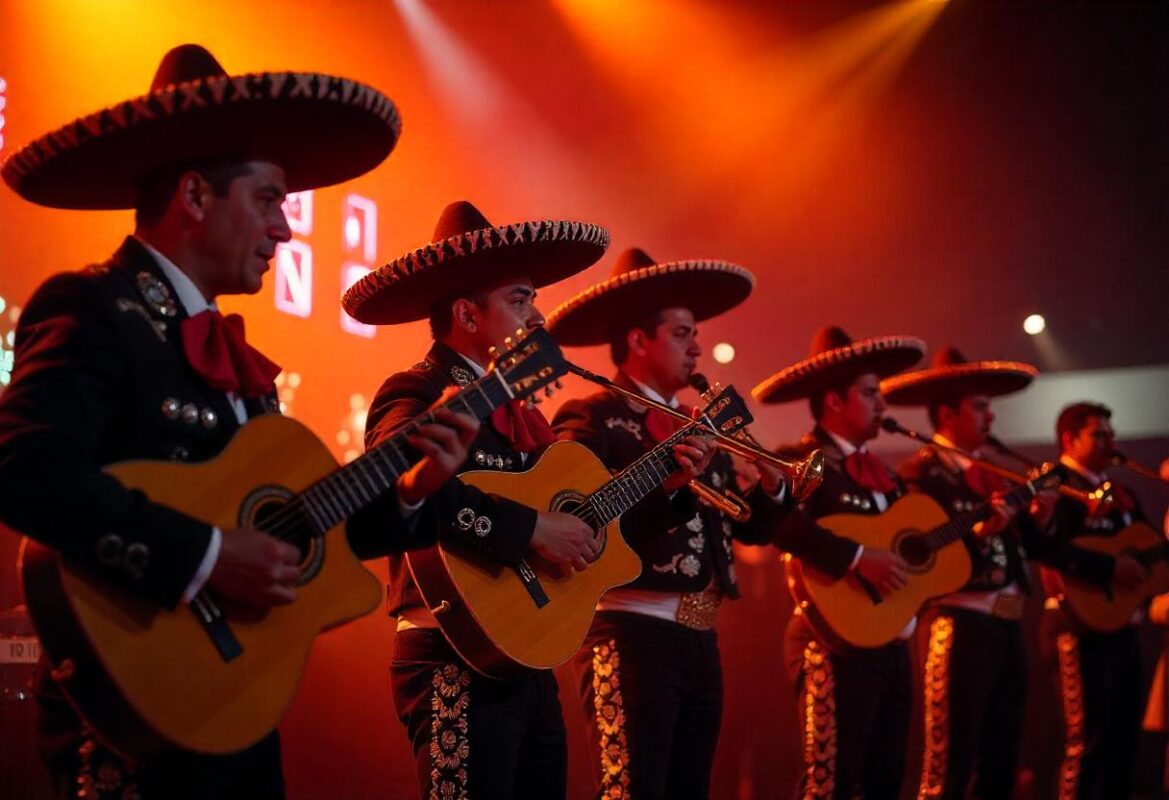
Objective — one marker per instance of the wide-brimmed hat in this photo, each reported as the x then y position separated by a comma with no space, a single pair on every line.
836,358
638,286
320,128
951,377
469,254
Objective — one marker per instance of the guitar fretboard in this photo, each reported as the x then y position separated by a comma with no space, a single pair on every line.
960,525
633,483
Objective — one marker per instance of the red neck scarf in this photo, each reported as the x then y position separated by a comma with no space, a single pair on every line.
216,348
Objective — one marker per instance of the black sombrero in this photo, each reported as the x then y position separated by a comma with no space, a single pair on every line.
638,286
835,358
951,377
468,254
320,128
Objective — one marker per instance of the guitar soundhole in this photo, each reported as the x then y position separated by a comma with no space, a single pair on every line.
570,502
263,510
913,550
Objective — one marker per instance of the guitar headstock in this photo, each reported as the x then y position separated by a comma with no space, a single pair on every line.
1047,479
726,411
533,361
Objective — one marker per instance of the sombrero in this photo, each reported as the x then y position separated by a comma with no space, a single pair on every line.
320,128
638,286
836,358
950,377
468,253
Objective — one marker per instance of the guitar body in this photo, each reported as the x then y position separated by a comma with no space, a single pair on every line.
151,680
489,617
1090,605
842,613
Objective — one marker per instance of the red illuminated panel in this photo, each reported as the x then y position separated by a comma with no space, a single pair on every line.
351,274
294,278
359,227
3,104
298,208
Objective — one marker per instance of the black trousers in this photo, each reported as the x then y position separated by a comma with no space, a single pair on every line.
975,687
854,713
80,766
474,736
1100,685
653,690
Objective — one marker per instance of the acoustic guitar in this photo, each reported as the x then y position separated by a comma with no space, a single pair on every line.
506,621
1107,609
850,612
209,677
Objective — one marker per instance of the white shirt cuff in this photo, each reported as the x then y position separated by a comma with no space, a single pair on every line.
860,551
406,510
205,566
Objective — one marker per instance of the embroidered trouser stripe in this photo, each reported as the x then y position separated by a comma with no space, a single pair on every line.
937,708
450,739
1071,690
610,717
819,709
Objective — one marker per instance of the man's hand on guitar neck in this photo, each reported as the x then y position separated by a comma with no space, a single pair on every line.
565,540
884,570
693,455
443,444
255,569
1002,515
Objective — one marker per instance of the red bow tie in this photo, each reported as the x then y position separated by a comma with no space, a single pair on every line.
662,426
983,482
525,427
869,471
217,350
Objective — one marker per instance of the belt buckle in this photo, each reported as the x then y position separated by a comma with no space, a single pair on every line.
1009,606
698,610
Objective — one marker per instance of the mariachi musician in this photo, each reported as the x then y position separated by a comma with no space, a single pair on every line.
975,660
476,284
650,671
1098,674
853,702
130,359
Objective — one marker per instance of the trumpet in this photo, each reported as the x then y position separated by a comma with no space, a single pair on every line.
1094,499
1121,460
804,476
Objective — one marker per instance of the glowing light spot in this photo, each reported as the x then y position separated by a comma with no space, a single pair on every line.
3,305
343,438
294,379
723,353
1035,324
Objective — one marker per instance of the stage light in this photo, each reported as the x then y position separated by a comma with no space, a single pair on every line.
1035,324
723,353
360,227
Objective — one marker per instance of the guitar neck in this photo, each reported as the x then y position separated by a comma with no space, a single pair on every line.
633,483
346,491
960,525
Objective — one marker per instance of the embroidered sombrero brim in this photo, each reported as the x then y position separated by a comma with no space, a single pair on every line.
706,288
990,378
543,251
881,355
321,129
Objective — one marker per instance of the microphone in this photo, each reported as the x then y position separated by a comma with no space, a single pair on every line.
699,382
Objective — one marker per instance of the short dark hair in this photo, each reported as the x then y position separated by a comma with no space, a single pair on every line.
1074,417
934,409
839,387
619,345
442,318
156,190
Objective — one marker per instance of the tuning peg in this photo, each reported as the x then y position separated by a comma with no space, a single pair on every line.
547,391
558,384
493,351
535,400
520,333
507,341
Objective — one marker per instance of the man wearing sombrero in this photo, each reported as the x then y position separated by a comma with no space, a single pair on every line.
853,704
476,283
130,359
649,669
975,668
